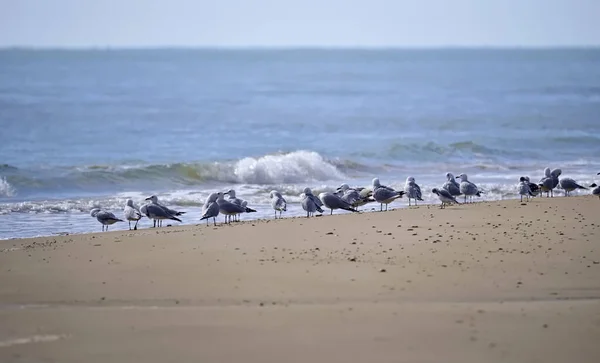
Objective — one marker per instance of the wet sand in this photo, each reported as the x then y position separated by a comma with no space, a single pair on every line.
488,282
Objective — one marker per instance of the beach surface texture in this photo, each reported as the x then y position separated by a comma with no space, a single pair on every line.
494,281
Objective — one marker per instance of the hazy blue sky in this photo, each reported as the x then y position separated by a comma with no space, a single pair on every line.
66,23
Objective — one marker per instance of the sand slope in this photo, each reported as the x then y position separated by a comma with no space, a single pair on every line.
490,282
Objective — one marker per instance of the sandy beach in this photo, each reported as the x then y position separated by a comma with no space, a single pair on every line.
488,282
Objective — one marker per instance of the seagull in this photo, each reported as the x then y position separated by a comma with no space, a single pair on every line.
569,185
333,201
233,199
132,213
230,209
353,196
210,209
157,213
555,174
104,217
467,188
451,185
154,200
310,203
412,190
444,196
384,195
546,184
277,202
596,190
533,187
524,189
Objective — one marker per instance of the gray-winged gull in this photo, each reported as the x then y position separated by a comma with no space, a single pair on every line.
412,190
445,197
524,189
568,185
467,188
310,203
278,202
104,217
132,213
333,201
210,209
451,185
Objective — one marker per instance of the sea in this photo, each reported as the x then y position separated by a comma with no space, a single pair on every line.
91,128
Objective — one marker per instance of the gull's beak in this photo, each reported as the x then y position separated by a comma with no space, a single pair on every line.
148,198
225,192
458,177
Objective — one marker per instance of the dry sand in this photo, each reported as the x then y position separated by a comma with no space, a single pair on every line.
489,282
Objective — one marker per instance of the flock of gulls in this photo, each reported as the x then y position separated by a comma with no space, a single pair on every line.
344,197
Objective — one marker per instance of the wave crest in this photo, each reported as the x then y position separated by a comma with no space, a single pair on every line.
6,189
294,167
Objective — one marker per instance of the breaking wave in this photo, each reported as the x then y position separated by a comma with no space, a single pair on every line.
293,167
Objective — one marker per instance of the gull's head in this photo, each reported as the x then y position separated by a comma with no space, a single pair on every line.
449,176
522,179
593,185
153,199
410,179
94,212
343,187
307,191
220,195
212,197
547,172
462,177
376,183
129,203
526,178
435,191
275,193
231,193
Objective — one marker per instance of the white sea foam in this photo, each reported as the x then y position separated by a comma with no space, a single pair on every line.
294,167
6,190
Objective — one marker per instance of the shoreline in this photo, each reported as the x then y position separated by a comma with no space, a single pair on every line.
196,212
491,281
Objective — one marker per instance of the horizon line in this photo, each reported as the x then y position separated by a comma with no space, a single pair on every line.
296,47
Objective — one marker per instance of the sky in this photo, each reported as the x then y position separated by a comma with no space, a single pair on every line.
299,23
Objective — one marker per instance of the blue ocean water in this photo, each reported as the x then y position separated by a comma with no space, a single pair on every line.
86,128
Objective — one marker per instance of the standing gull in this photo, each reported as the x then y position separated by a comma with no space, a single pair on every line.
451,185
210,209
157,213
310,203
333,201
445,197
467,188
384,195
524,189
533,187
154,200
229,209
233,199
277,202
132,213
412,190
546,184
104,217
569,185
596,190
